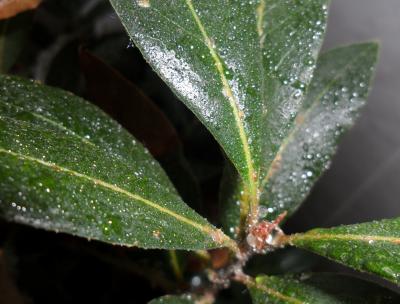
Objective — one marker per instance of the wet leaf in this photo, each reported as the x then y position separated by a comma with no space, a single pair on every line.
66,166
13,34
10,8
318,288
240,66
184,299
336,95
372,247
282,290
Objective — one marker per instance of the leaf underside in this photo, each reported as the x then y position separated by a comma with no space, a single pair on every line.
66,166
371,247
335,97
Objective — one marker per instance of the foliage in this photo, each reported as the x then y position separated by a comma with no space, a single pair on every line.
252,73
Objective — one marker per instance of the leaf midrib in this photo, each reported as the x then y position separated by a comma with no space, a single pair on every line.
252,176
113,188
273,292
342,237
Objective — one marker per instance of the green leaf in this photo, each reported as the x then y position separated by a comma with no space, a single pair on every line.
351,290
281,290
185,299
240,66
318,288
372,247
13,34
336,95
66,166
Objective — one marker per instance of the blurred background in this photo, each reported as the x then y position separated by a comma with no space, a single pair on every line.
80,46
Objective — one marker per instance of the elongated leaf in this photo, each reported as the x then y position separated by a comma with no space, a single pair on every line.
185,299
336,95
282,290
372,247
67,166
240,66
318,288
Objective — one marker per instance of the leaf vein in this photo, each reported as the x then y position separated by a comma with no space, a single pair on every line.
111,187
345,237
233,102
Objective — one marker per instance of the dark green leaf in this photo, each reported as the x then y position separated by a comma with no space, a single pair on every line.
372,247
337,93
351,290
318,288
13,33
185,299
67,166
281,290
240,66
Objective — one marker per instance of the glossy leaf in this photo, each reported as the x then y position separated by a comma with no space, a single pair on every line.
240,66
372,247
66,166
282,290
336,95
318,288
185,299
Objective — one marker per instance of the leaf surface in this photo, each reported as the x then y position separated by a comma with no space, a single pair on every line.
335,97
351,290
282,290
66,166
318,288
240,66
372,247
